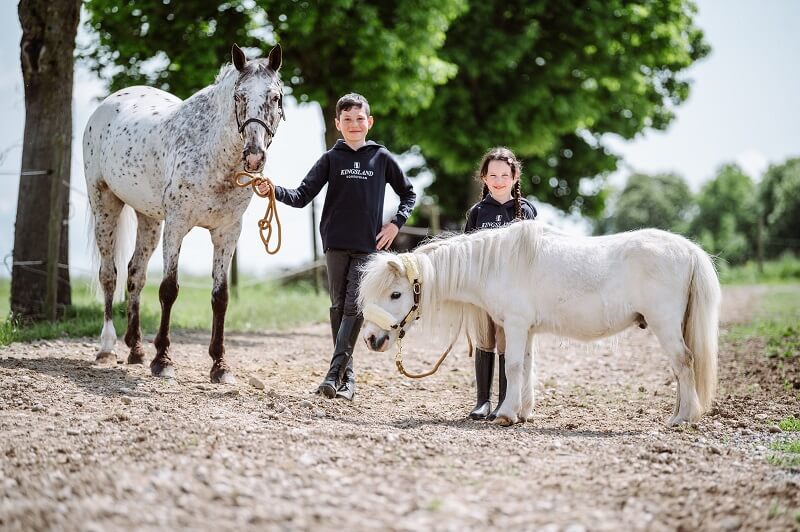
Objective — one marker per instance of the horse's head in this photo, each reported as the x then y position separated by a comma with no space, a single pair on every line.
389,296
258,104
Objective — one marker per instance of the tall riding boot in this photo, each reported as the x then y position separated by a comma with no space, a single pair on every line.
347,388
342,353
484,369
336,322
502,383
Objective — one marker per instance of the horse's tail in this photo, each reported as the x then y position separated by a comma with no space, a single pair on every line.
123,250
701,325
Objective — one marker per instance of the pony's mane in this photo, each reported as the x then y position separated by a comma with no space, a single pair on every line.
450,264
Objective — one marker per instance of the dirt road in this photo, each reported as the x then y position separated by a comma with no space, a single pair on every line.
91,447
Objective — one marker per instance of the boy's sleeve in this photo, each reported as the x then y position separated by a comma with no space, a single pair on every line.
309,188
402,187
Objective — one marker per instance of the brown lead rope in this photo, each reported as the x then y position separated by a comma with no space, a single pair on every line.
265,223
398,361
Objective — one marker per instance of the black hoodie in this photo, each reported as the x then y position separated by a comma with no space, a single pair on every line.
352,215
489,213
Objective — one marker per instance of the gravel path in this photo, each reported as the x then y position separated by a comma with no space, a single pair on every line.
91,447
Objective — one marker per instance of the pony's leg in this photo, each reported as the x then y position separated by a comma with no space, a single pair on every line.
516,341
147,236
528,382
174,231
224,240
106,208
687,408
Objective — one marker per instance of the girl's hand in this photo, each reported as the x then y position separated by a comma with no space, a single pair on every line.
386,236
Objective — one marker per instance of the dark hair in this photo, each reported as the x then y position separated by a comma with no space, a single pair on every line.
348,101
501,153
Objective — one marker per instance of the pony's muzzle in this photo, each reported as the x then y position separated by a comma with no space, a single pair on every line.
377,342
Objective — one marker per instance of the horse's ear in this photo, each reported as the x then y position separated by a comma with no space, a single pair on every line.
239,59
395,265
276,57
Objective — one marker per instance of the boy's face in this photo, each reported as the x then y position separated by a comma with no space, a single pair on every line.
354,124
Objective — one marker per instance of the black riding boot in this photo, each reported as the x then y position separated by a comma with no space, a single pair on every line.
502,383
484,368
336,322
342,353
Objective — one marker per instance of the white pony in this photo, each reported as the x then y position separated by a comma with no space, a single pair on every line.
531,278
175,161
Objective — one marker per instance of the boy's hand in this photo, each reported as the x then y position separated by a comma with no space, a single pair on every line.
263,188
386,236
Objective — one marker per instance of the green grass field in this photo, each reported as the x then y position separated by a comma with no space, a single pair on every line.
260,306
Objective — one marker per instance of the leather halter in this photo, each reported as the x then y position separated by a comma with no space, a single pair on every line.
270,130
382,318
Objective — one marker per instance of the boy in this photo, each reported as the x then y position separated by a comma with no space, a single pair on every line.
356,172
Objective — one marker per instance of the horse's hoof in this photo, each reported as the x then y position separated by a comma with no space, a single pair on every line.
136,358
503,421
106,357
162,369
223,377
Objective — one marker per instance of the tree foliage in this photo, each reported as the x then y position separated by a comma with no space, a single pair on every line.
385,50
451,77
548,79
779,195
663,201
726,222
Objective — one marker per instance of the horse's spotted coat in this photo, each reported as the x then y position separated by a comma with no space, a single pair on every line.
174,162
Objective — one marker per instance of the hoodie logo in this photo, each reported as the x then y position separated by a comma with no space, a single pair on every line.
499,218
356,172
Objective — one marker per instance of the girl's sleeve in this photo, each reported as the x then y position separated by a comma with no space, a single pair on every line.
309,187
529,211
471,219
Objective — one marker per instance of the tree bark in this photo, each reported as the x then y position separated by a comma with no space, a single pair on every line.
49,28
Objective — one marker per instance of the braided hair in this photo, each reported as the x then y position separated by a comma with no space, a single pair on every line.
501,153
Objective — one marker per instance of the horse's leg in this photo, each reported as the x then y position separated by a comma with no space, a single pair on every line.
147,236
224,240
687,408
528,382
174,231
516,341
106,208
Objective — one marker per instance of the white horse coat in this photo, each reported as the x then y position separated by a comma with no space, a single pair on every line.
531,278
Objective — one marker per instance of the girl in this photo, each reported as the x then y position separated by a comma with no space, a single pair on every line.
501,204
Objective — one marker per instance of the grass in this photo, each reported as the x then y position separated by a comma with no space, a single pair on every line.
785,269
777,323
790,424
260,306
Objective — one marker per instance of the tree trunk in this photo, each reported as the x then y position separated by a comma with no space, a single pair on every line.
46,53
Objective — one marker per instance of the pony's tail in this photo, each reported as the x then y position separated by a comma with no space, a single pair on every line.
701,325
123,250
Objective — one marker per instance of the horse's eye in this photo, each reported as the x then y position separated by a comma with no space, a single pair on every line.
275,98
395,295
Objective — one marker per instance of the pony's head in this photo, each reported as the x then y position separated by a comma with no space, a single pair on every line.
258,104
389,296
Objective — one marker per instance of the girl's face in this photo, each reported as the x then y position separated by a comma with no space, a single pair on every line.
500,180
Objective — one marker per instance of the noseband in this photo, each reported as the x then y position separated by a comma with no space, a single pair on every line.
383,319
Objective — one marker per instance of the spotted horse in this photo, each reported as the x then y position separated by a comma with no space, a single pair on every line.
174,162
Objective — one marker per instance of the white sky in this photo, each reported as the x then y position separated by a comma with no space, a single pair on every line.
744,107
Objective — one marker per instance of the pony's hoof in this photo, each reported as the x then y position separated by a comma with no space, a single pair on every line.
223,377
503,421
136,358
162,369
106,357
